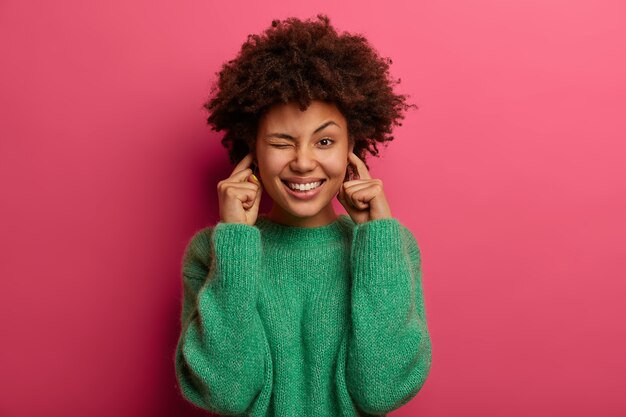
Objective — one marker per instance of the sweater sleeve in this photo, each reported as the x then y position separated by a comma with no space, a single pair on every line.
389,347
222,352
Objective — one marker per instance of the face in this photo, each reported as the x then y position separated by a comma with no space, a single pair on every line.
309,147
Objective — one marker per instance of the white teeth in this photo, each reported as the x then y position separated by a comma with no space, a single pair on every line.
304,187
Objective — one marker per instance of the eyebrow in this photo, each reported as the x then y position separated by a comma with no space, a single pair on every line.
289,137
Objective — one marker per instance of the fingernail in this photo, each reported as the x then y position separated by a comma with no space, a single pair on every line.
256,179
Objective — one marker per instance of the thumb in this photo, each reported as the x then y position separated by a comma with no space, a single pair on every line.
259,193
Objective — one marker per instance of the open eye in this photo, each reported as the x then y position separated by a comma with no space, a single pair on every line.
327,140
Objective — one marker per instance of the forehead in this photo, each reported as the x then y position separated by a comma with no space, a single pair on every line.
283,117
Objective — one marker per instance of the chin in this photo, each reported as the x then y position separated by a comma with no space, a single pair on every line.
304,212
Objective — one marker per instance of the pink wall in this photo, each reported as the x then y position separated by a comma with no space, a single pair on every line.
510,175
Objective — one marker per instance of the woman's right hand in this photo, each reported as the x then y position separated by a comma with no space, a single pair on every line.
240,195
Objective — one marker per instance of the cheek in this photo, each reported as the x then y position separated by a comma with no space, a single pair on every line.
270,162
336,165
267,159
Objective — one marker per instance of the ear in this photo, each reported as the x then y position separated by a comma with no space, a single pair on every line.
254,157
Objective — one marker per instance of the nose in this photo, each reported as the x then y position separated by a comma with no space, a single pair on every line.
303,160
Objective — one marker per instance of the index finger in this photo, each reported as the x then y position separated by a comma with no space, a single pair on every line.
360,166
243,164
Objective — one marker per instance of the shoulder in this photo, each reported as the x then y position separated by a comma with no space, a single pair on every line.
198,245
410,242
385,226
201,243
200,237
346,222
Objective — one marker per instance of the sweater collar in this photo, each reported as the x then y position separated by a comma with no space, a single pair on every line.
303,236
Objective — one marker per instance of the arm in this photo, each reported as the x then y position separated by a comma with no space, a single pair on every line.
221,351
389,347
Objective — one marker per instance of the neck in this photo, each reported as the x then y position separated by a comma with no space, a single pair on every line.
326,216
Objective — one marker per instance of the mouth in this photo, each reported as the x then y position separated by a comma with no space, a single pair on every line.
305,194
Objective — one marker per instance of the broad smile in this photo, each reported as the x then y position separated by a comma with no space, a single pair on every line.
304,194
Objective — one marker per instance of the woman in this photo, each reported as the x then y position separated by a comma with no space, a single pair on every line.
300,312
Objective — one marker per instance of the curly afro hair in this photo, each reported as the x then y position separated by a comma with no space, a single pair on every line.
300,61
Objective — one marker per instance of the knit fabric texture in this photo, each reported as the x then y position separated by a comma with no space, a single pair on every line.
291,321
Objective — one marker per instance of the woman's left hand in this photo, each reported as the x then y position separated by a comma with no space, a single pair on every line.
363,198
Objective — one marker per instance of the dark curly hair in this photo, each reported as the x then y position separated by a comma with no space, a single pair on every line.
299,61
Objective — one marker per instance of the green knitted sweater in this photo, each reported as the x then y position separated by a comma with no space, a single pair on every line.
291,321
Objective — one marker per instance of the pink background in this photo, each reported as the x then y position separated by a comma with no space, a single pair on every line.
510,174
